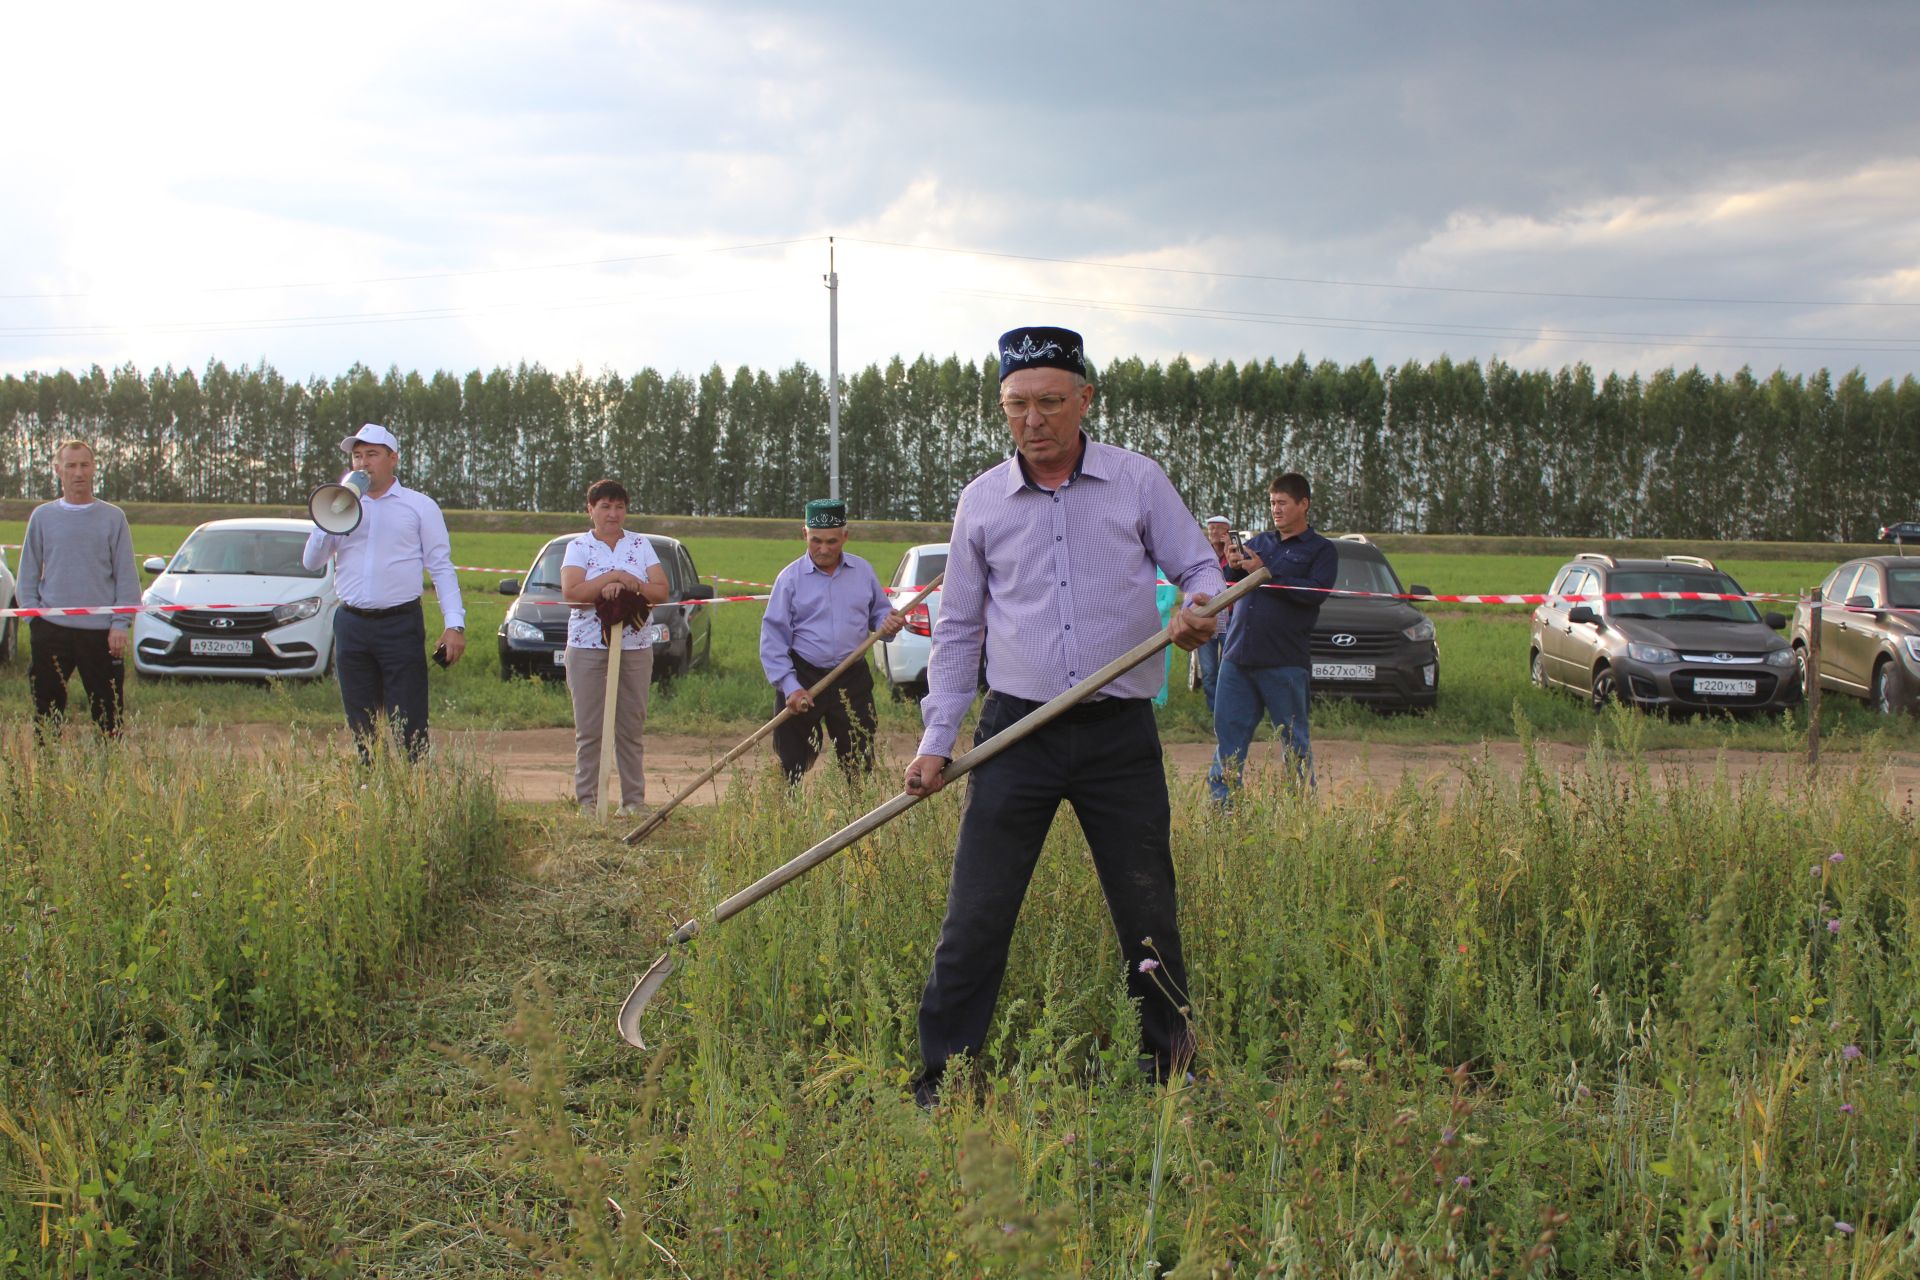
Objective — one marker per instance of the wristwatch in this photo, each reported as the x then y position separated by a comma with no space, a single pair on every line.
461,630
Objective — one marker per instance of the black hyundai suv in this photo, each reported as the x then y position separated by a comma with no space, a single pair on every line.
1378,651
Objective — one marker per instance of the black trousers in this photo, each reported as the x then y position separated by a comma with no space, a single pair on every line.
60,651
844,712
382,665
1104,759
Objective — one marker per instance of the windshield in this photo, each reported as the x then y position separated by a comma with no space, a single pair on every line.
932,565
1364,573
1682,610
256,552
1903,588
546,570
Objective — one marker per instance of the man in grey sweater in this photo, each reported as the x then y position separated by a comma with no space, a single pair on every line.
78,551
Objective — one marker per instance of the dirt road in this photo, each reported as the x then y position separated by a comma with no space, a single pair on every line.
537,764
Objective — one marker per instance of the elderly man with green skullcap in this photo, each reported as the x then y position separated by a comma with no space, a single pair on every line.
822,607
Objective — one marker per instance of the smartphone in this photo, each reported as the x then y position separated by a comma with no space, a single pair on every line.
440,655
1233,540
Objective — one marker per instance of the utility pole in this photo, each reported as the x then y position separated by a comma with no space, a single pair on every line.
833,374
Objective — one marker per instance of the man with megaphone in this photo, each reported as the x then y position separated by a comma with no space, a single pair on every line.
384,535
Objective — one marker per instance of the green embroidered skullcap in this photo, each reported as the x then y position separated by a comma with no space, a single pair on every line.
826,513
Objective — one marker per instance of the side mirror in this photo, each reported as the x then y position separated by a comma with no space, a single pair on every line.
1776,621
1582,615
700,591
1417,590
509,586
1859,602
154,564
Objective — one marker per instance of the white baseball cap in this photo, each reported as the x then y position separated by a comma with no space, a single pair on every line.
372,433
1216,520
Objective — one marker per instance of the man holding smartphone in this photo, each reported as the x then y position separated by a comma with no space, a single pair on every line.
1222,538
380,632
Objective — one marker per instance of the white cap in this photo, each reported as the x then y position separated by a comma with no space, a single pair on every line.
1216,520
372,433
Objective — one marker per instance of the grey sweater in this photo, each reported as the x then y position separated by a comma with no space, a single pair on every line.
79,556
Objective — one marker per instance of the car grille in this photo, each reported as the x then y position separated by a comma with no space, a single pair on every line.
1366,644
222,622
553,632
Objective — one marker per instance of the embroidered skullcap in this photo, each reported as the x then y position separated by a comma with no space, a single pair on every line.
1041,346
826,513
1216,520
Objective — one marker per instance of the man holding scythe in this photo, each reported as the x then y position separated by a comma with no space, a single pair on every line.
1051,571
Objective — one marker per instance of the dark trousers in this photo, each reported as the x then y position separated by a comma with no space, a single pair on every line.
382,664
60,651
844,712
1104,759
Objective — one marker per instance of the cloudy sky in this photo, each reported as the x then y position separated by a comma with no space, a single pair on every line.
624,184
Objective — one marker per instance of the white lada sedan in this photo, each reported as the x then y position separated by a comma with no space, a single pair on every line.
282,628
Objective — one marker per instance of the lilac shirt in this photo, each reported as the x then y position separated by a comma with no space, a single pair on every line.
1057,585
822,617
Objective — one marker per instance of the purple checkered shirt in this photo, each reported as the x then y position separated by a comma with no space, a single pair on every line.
1058,584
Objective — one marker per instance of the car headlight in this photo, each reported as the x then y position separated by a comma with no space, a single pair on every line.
1421,630
1652,654
294,612
1783,658
1913,646
519,630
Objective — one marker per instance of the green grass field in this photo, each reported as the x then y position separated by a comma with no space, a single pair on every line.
1483,662
286,1017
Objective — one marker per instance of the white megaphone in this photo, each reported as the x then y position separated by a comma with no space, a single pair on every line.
336,507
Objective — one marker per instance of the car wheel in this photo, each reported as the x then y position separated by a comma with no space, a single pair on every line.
1887,694
1537,670
1606,688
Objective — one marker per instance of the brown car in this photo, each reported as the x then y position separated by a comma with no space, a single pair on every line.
1869,631
1681,655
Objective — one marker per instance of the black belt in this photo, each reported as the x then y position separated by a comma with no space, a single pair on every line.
391,610
1079,713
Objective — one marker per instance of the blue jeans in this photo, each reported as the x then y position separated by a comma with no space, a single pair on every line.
1208,656
1241,696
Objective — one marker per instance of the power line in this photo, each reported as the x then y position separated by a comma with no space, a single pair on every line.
349,319
440,275
1448,330
1375,284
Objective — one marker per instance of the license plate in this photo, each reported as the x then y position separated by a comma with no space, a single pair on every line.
1343,671
212,647
1739,688
559,657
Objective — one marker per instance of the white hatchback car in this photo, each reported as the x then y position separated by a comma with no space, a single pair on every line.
903,659
284,627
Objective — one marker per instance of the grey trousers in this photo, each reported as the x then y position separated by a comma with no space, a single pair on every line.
587,682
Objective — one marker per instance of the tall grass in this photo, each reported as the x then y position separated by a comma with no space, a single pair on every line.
1581,1024
169,920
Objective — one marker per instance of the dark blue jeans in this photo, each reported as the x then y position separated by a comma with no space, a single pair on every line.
1243,696
1208,656
1103,758
382,665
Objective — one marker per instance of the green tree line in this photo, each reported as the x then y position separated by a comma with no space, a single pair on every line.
1441,447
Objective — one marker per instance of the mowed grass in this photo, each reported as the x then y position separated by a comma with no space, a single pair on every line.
1483,662
1539,1025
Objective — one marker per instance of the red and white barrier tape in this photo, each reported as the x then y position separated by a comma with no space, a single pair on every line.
739,582
94,610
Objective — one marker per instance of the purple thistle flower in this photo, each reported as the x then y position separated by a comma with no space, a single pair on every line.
1846,1108
1149,965
1833,925
1836,858
1844,1228
1851,1053
1463,1182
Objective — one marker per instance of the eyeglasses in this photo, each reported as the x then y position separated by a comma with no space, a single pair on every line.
1017,409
